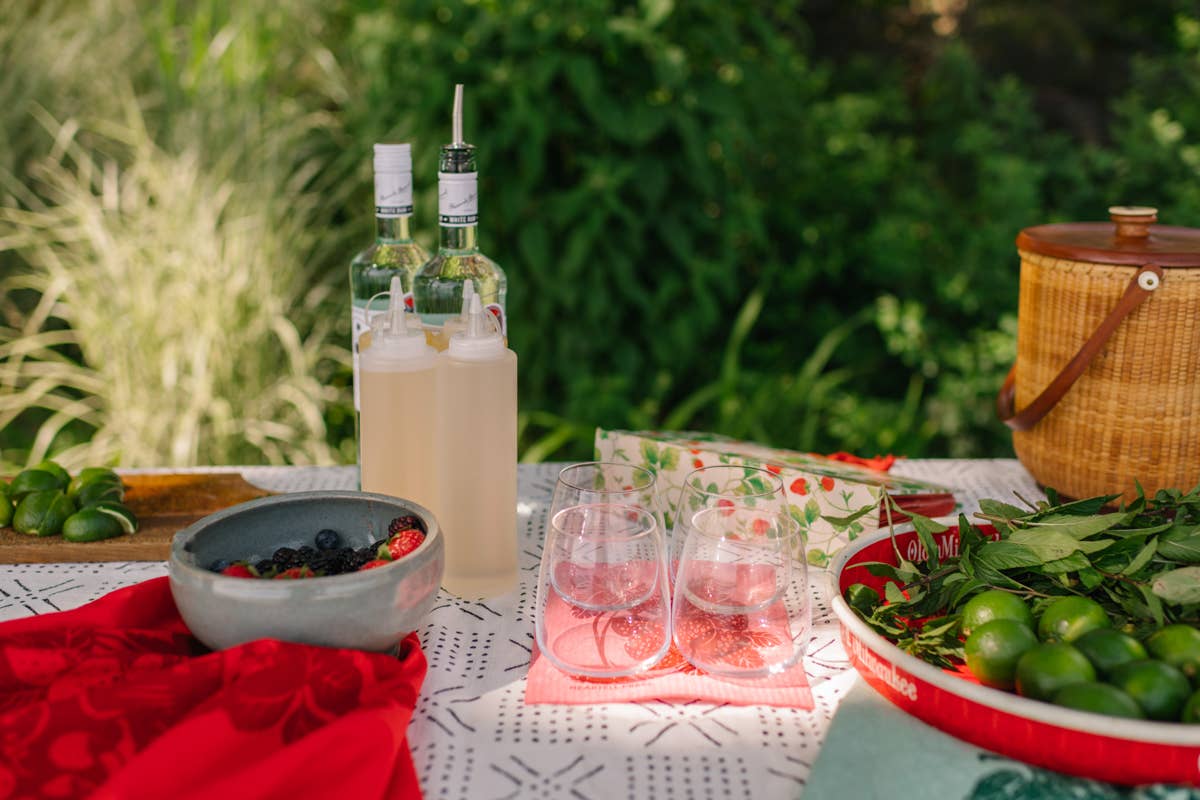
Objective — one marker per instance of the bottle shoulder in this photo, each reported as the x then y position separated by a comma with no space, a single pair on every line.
460,264
407,254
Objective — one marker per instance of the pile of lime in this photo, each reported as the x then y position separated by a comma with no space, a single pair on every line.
1073,657
46,501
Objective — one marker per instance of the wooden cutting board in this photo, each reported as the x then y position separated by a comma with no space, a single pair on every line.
163,504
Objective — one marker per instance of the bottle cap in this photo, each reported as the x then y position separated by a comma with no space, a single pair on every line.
482,340
393,158
391,336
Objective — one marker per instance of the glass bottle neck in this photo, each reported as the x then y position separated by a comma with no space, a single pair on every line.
455,238
392,229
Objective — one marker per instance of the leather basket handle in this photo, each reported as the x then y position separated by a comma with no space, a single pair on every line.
1141,286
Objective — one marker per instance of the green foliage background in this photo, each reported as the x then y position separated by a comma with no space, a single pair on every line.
785,221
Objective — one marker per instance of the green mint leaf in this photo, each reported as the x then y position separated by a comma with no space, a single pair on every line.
1006,554
1142,558
1181,543
1072,563
1178,586
1077,527
1005,511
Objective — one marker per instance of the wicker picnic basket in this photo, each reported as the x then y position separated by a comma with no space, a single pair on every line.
1106,387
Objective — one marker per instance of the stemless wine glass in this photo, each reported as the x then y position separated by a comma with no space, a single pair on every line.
724,485
741,590
601,482
603,596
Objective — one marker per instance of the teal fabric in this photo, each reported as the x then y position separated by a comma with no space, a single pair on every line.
875,750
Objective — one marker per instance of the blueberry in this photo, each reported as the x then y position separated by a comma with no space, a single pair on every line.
220,565
328,539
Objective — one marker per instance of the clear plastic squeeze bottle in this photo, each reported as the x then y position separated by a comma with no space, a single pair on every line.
477,458
399,402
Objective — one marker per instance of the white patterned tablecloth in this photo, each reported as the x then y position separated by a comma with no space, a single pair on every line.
472,735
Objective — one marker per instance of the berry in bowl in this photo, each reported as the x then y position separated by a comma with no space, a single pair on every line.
332,568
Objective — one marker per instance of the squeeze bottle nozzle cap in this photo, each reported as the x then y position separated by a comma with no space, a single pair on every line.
468,291
482,340
390,331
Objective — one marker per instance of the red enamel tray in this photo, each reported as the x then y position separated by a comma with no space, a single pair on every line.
1075,742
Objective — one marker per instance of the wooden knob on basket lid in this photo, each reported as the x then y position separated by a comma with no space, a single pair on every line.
1133,222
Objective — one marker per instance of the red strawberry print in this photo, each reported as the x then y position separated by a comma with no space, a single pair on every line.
827,484
647,641
726,507
761,526
379,562
295,573
404,543
774,469
238,571
697,463
694,452
799,486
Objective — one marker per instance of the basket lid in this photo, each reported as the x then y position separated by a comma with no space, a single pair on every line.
1132,237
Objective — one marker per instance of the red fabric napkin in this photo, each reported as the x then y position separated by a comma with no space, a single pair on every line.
117,700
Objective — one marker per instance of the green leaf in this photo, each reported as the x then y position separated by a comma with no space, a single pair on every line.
1050,545
926,528
1178,586
995,508
893,594
1072,563
811,511
1181,543
1006,554
649,453
1077,527
669,458
1142,558
842,522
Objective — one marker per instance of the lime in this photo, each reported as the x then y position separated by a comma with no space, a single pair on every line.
1179,646
98,491
33,480
1160,689
1045,669
120,513
1108,648
89,474
994,604
54,468
993,649
1068,618
6,505
42,513
90,525
1099,698
1191,709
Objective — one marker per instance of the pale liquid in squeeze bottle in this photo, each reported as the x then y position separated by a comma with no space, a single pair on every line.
477,459
398,382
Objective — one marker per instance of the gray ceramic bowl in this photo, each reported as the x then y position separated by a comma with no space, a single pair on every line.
368,610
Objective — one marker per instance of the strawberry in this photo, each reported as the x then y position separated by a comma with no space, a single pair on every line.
404,543
726,507
239,570
296,573
379,562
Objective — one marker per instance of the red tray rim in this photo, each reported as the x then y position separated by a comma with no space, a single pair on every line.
1162,733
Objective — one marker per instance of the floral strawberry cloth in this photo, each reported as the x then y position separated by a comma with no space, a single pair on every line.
117,700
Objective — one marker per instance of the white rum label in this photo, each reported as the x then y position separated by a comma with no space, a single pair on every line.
393,194
458,199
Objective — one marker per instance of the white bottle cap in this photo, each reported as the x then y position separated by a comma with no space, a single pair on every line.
481,341
393,158
391,337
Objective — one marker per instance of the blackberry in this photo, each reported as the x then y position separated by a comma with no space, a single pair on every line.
220,565
284,557
328,539
265,567
306,553
404,523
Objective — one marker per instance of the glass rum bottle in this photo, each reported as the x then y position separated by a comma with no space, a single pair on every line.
394,253
438,286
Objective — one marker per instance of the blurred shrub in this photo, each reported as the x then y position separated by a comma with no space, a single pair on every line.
749,218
